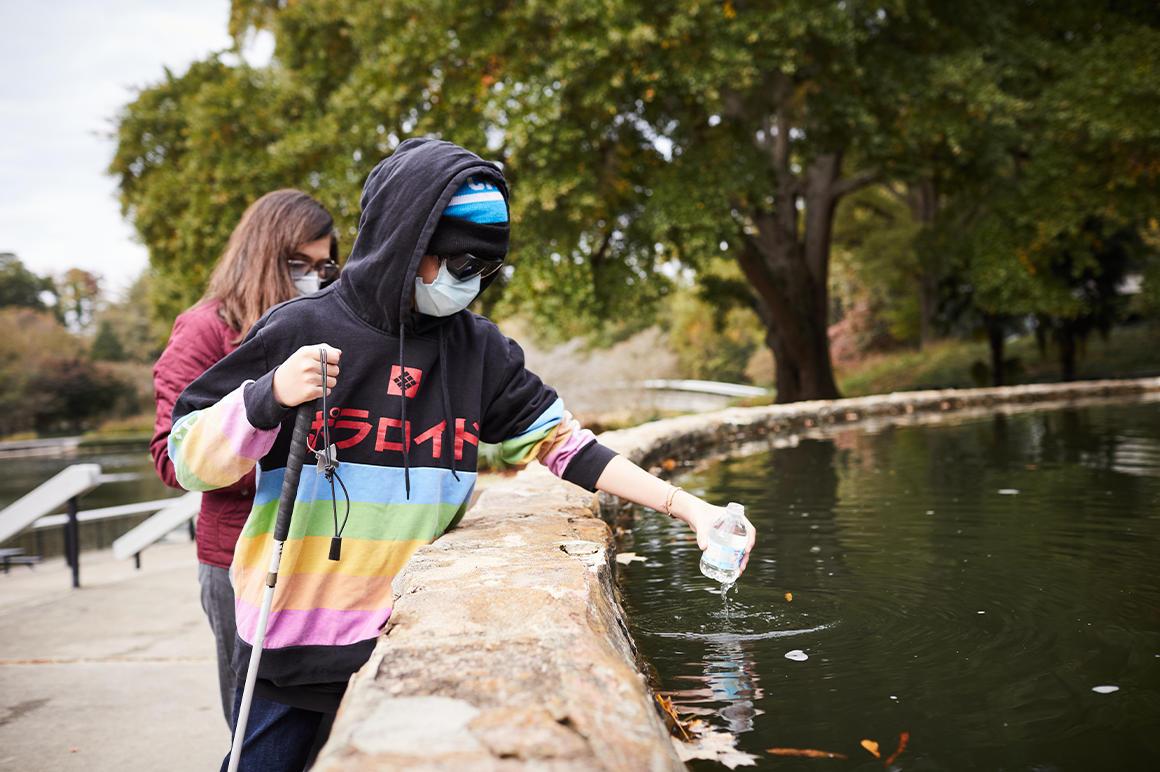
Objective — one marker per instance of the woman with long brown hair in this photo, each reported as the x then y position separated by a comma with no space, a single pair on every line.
284,246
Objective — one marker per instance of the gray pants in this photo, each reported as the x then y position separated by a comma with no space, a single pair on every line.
217,600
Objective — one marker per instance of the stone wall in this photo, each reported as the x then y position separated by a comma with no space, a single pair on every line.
713,434
507,647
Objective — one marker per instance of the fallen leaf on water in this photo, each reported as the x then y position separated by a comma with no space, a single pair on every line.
667,706
871,746
903,739
624,558
789,597
805,753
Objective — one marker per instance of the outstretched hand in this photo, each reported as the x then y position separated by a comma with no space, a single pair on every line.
628,481
702,516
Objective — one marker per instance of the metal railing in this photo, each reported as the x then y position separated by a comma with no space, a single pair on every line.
37,510
717,388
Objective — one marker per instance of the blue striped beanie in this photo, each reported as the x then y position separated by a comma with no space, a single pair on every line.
475,221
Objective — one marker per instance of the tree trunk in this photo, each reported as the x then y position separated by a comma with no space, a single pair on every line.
995,337
927,307
923,199
1067,351
787,268
790,275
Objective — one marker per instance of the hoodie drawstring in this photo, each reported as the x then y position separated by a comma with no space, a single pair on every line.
403,412
448,427
447,418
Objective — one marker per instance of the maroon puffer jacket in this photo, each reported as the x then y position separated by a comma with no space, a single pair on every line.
199,339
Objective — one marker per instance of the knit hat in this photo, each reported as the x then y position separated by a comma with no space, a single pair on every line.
475,221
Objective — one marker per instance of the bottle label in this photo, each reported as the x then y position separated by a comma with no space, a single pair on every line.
725,557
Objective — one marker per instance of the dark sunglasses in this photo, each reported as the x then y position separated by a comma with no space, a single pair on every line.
299,268
467,266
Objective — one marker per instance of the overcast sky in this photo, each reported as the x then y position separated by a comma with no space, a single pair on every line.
68,66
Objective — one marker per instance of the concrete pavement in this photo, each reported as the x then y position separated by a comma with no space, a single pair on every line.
118,675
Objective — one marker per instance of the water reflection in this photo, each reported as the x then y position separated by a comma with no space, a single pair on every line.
968,584
728,687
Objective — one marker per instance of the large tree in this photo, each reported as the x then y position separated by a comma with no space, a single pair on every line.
1061,215
21,287
635,135
638,136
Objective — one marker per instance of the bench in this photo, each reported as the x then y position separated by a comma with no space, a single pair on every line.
14,556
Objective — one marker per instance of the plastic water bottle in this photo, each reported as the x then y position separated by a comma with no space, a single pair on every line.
727,541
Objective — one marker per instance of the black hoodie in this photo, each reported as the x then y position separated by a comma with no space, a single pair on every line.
415,396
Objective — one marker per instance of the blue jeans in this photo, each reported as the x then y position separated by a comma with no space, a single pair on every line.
279,738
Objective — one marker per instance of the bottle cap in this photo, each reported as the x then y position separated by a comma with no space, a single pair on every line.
734,508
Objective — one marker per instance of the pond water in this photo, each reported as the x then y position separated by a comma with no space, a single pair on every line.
988,587
21,475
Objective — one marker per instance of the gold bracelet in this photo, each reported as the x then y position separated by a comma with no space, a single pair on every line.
674,489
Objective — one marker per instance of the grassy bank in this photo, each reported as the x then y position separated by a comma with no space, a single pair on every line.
1130,352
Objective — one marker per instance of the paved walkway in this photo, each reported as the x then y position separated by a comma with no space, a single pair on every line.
118,675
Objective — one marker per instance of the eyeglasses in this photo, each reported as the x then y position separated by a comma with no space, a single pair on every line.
467,266
327,270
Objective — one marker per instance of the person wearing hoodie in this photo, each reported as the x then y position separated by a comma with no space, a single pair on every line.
414,383
283,246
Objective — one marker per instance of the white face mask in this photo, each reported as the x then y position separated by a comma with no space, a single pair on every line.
446,295
308,284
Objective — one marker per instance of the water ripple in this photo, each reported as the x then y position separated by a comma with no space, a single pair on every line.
969,584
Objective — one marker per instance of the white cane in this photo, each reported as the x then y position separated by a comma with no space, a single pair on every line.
281,530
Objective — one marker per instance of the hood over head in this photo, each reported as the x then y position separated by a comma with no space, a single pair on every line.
403,199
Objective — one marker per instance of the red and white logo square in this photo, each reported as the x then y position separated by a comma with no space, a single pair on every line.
405,381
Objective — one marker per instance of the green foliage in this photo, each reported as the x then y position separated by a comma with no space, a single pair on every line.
19,286
106,345
713,333
949,363
193,152
1080,170
78,298
71,393
642,136
140,335
47,382
23,357
876,262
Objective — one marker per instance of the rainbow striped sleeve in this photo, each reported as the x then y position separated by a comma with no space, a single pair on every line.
555,437
520,450
565,443
217,446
